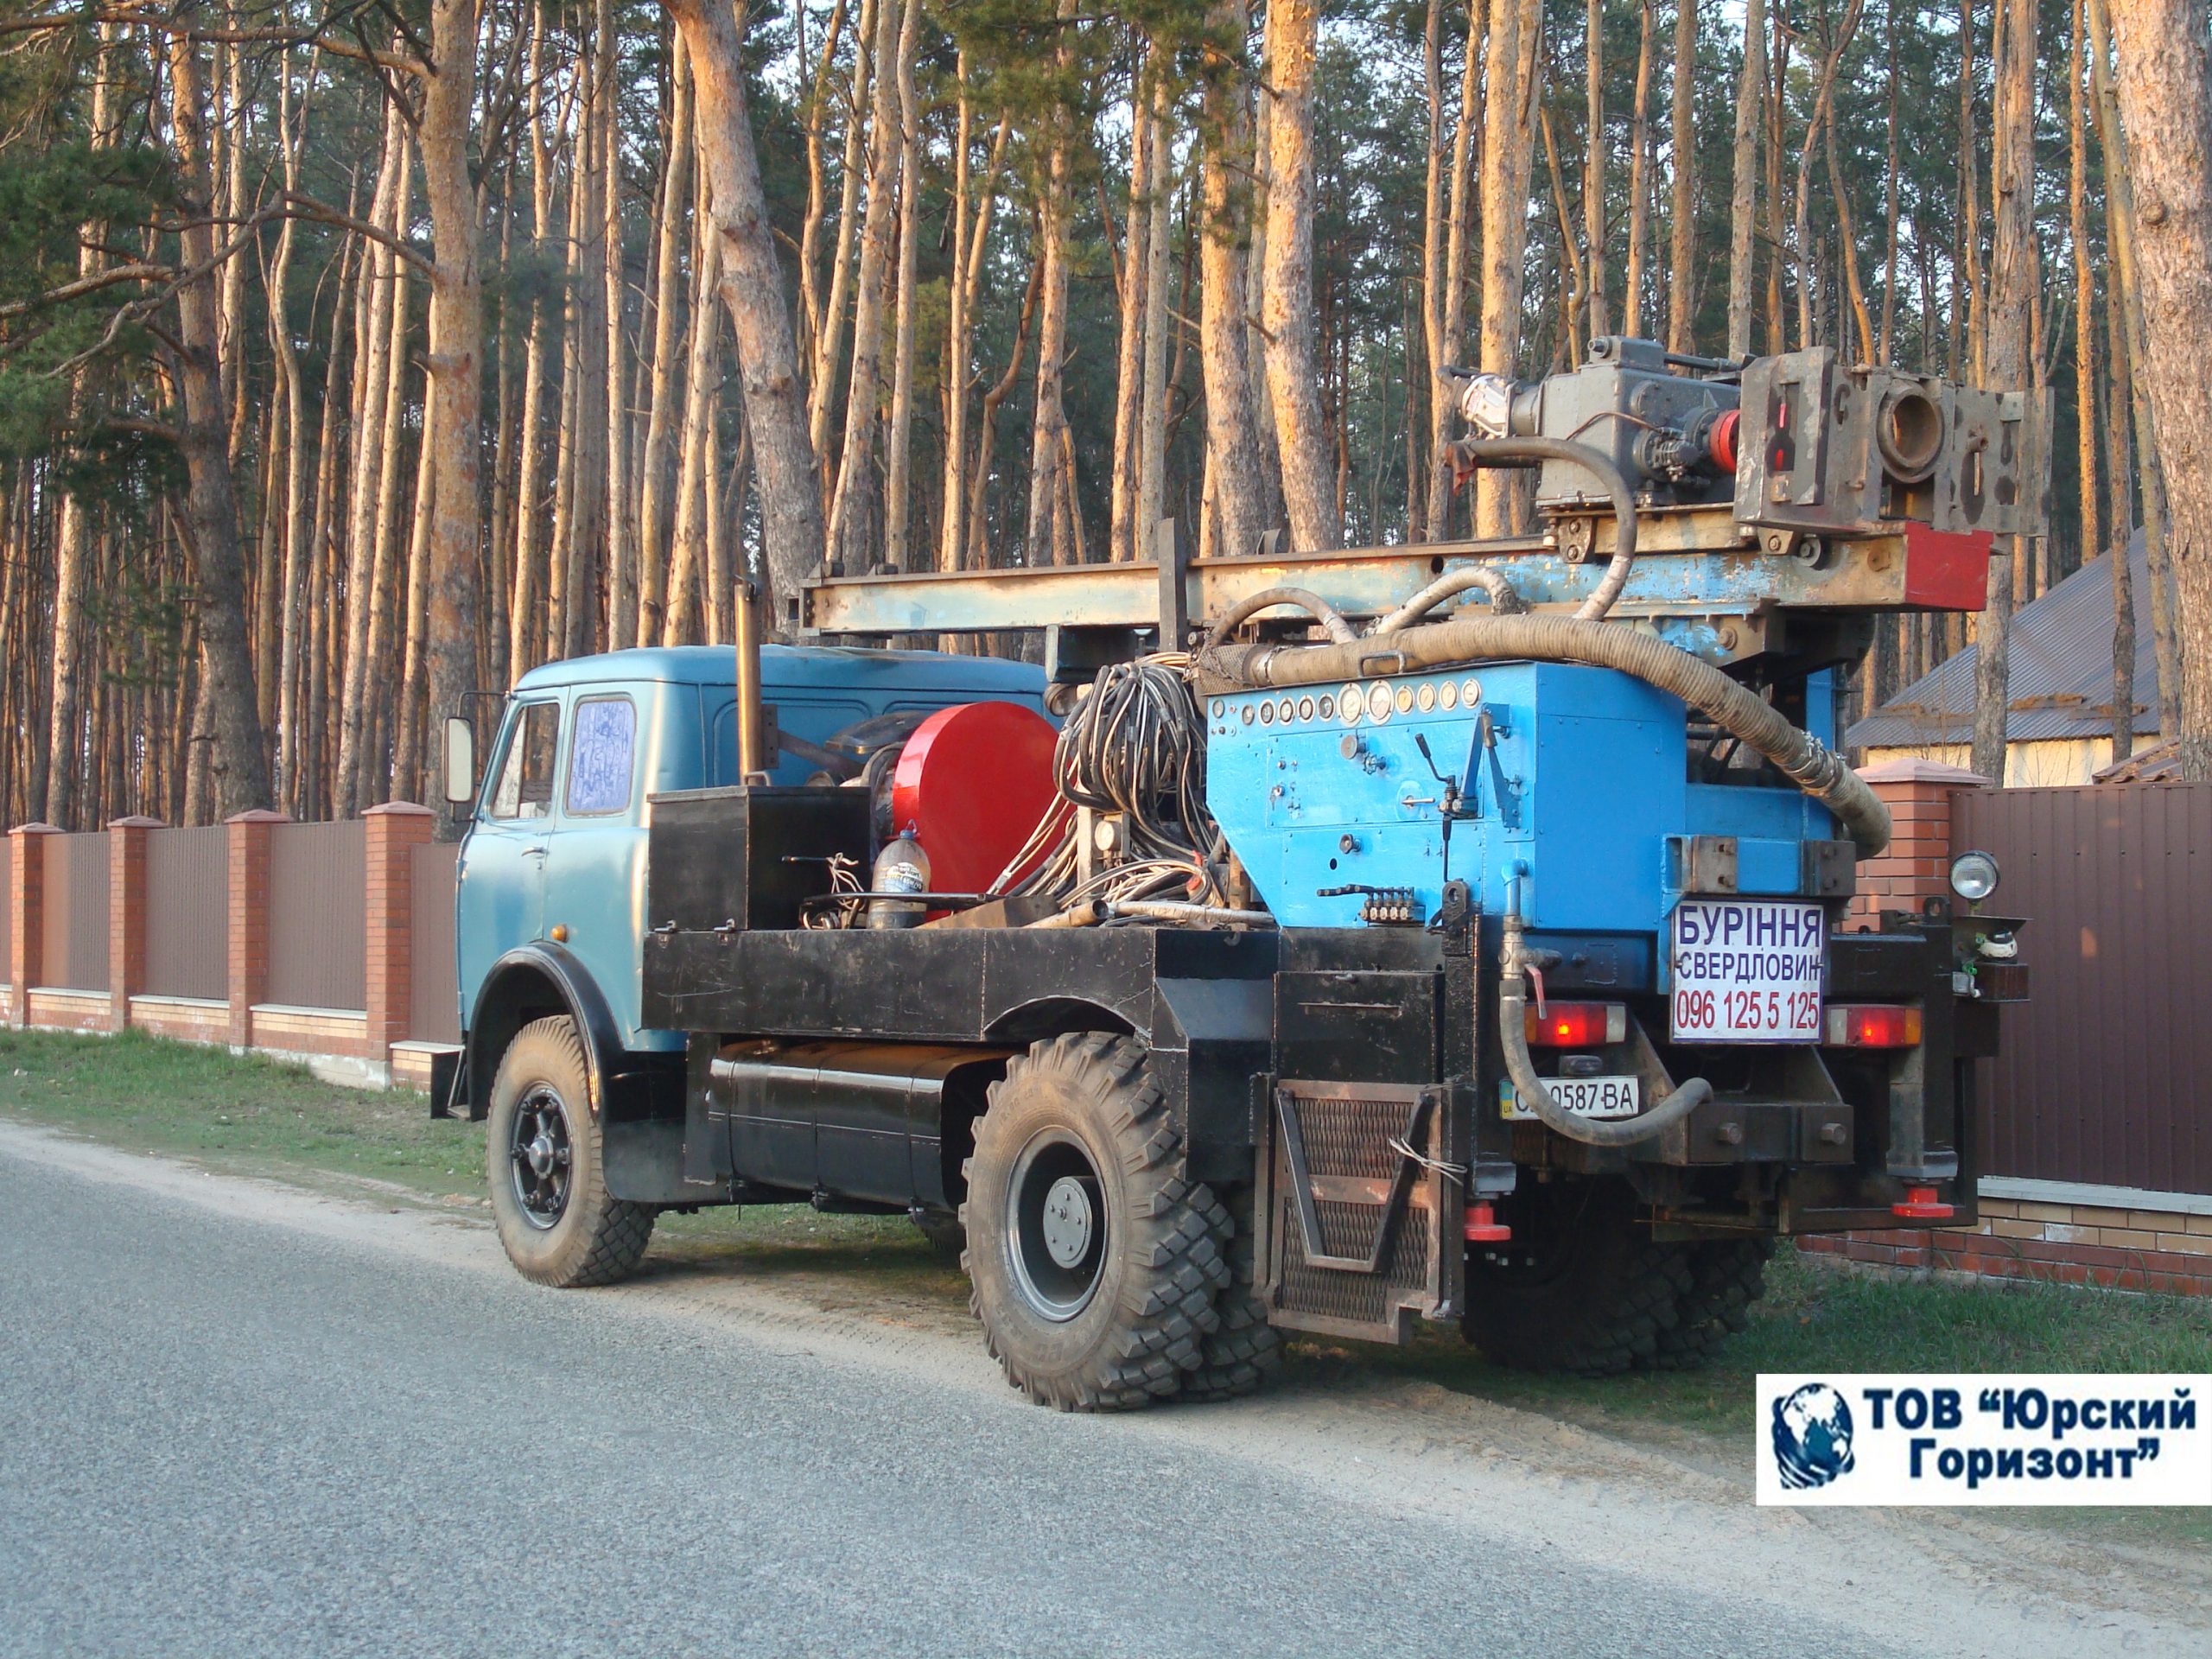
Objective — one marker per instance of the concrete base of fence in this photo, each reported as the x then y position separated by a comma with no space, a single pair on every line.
188,1019
69,1010
2163,1250
332,1043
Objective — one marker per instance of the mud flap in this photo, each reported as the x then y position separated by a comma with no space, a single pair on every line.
1349,1225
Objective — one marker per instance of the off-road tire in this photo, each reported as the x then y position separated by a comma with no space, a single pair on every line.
1726,1276
1244,1353
1158,1266
948,1238
597,1239
1582,1288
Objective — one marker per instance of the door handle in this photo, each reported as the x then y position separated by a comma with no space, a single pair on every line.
538,851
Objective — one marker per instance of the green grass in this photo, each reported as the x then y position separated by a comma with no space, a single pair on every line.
244,1111
262,1116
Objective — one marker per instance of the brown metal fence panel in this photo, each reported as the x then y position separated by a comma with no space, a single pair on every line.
318,914
7,913
189,912
74,937
2105,1076
433,1008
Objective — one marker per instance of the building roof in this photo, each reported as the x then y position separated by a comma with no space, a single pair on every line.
2061,671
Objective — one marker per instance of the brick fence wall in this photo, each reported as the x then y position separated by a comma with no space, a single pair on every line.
178,911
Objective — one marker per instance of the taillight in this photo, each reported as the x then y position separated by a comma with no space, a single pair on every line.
1577,1025
1874,1025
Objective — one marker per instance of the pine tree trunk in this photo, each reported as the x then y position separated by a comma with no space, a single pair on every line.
530,582
1446,339
753,288
238,765
702,393
848,540
1508,152
454,412
1132,272
2121,237
1152,420
1742,202
662,412
1681,213
898,462
1639,186
1594,164
1224,241
1294,365
822,383
1048,542
2011,300
2165,83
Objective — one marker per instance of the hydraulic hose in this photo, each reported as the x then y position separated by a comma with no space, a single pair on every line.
1504,599
1808,763
1331,621
1513,1036
1507,452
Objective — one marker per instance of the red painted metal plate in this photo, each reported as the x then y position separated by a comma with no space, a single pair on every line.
972,782
1946,571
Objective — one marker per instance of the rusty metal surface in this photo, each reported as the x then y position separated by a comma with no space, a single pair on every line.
433,1009
318,914
74,937
1687,558
2107,1075
187,912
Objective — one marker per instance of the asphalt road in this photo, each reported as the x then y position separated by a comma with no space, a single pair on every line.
234,1423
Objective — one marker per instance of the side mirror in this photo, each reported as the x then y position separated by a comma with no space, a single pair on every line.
460,760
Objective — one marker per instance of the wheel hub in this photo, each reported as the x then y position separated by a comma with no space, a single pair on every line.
540,1158
1067,1222
1058,1225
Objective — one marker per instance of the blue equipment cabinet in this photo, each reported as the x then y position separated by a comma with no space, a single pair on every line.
1575,779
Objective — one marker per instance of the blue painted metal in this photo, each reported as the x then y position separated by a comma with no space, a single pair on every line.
1580,773
586,872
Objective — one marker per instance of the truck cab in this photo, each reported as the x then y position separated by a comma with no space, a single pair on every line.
551,884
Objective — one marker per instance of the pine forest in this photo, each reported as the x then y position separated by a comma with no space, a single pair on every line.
358,355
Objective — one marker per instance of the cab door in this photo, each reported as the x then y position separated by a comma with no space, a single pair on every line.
595,867
501,897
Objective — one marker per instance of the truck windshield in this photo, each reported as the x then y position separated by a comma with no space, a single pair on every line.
525,788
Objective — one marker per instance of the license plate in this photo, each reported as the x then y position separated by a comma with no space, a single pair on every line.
1584,1096
1746,970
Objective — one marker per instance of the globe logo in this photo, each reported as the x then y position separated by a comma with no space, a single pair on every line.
1812,1436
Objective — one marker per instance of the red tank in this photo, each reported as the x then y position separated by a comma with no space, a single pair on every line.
972,782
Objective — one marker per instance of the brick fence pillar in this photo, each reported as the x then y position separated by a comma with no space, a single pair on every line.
1917,865
250,835
396,830
26,914
126,915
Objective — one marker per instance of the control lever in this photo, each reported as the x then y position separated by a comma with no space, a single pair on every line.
1450,803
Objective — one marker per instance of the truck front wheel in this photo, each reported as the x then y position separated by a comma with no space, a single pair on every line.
1093,1263
548,1189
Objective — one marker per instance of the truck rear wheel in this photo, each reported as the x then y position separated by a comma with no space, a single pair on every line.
1726,1276
549,1188
1581,1288
1092,1262
1242,1355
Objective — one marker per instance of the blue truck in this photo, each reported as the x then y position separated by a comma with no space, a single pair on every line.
1291,951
